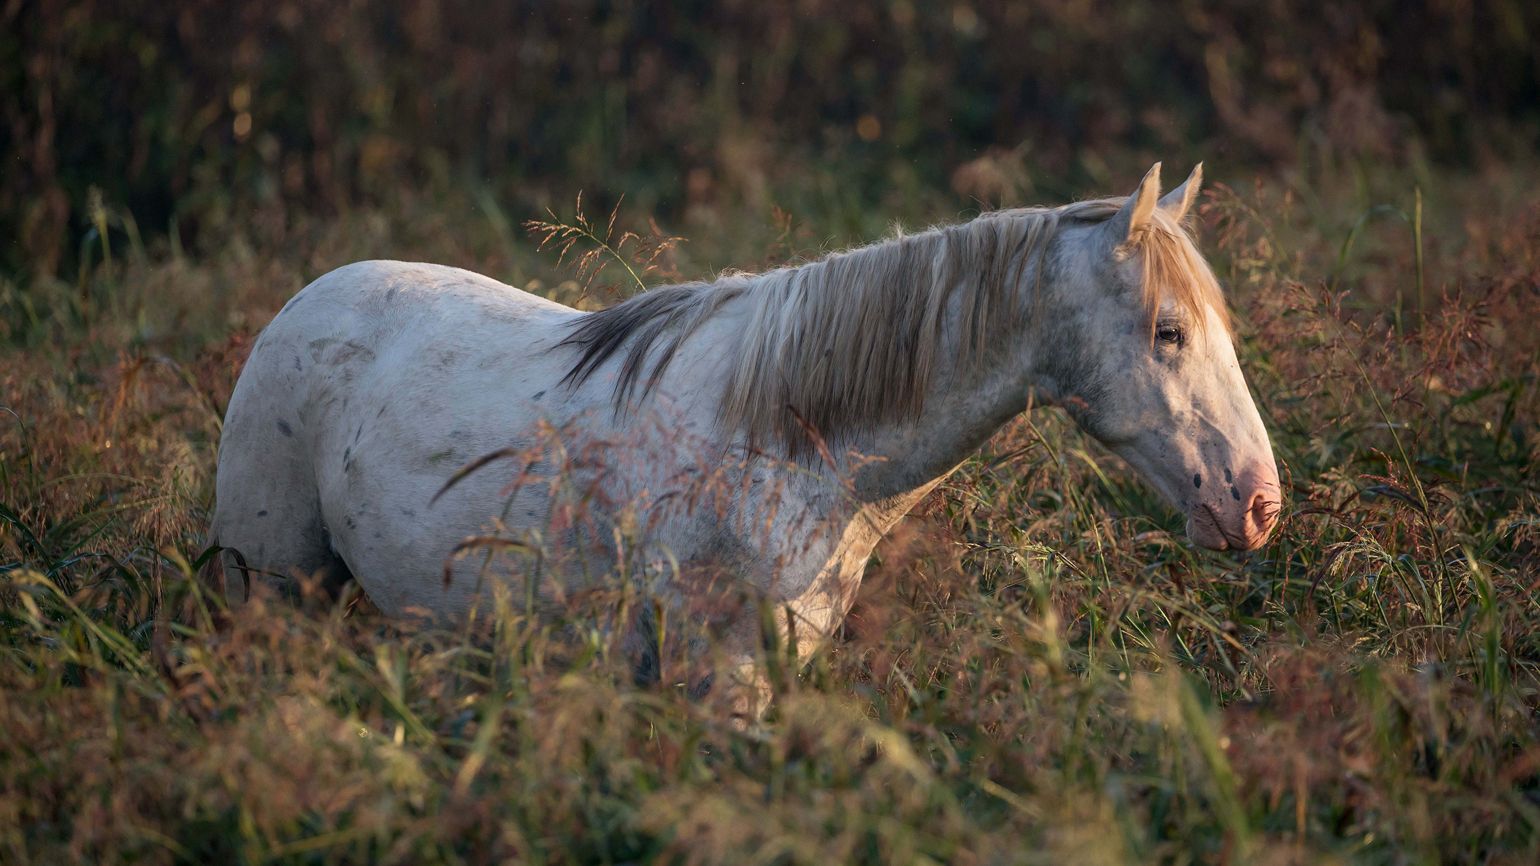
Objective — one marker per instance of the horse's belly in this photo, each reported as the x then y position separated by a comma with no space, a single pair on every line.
416,538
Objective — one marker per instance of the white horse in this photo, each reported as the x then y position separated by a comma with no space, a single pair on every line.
766,428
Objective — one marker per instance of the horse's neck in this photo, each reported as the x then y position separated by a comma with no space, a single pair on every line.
964,406
965,403
901,459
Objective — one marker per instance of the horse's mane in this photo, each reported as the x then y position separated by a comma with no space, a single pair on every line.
851,340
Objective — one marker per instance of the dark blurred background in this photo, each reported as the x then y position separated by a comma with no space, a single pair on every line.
183,114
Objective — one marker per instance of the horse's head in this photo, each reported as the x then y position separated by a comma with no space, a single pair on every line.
1137,347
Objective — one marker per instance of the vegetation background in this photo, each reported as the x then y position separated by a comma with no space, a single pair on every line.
1039,669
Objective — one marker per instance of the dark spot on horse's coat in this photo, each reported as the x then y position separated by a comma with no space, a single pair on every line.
1228,477
391,295
538,395
284,428
298,364
352,524
353,349
408,512
1197,481
382,411
1235,494
262,513
347,455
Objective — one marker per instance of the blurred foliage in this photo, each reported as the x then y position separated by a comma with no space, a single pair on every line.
174,116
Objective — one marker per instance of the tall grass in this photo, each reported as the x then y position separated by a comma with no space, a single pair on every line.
1039,668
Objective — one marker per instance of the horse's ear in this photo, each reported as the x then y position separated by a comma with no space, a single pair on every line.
1135,215
1178,201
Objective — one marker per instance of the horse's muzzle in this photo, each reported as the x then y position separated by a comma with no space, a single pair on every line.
1241,515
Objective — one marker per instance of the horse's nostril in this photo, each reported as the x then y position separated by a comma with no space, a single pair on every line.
1263,512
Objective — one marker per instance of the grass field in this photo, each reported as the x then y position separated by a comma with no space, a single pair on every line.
1040,668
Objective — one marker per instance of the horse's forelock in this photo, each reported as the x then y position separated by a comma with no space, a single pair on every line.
1174,269
1171,267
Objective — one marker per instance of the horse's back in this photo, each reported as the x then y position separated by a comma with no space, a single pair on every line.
398,331
414,293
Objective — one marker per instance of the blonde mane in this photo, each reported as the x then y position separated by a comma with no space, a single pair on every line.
851,340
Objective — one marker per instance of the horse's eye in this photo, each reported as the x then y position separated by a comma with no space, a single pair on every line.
1170,332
